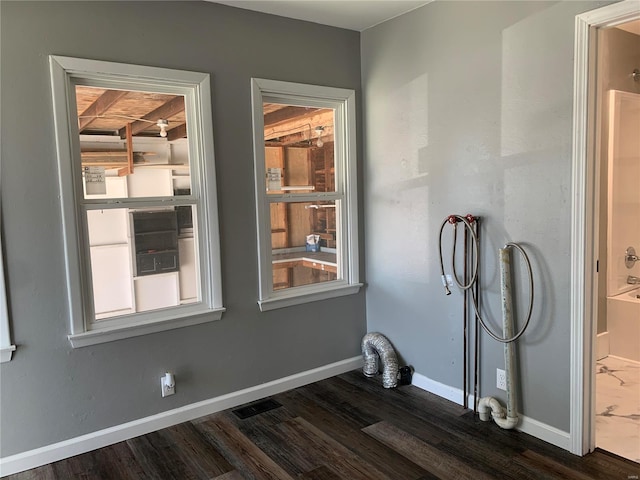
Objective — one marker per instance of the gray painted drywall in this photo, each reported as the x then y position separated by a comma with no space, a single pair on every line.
51,392
468,109
618,56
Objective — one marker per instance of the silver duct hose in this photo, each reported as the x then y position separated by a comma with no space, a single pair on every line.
374,346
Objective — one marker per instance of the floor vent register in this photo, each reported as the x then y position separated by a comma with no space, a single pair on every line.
256,408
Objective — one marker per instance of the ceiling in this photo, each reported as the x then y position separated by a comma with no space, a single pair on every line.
288,125
123,115
631,27
107,112
350,14
355,15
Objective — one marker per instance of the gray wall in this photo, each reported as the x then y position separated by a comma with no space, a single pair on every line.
468,109
51,392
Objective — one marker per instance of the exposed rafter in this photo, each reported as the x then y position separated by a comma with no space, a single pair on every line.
99,107
300,139
177,132
287,113
304,124
169,109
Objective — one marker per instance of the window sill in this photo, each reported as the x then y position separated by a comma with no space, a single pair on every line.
104,335
6,353
288,299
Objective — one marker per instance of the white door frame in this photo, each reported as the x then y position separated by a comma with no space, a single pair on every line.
584,223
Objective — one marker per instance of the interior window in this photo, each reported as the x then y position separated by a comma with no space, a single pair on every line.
133,146
305,185
135,162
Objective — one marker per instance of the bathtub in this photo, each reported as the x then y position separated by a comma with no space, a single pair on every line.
623,324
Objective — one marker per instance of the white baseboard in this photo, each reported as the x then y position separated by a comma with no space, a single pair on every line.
527,425
445,391
102,438
602,345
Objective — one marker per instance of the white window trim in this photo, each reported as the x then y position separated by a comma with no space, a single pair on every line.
343,101
6,349
195,86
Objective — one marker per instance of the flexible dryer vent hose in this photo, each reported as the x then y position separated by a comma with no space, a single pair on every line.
376,345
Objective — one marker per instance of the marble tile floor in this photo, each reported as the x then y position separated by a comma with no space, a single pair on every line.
618,407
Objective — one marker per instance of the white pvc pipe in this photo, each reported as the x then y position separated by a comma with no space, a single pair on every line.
510,420
507,328
489,408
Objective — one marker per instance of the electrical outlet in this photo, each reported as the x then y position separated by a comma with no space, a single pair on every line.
168,384
501,379
449,280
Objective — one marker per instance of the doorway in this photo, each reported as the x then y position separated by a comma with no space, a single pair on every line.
600,119
617,157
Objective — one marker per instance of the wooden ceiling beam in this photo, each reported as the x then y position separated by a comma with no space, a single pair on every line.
165,111
303,124
177,132
99,107
287,113
289,139
297,139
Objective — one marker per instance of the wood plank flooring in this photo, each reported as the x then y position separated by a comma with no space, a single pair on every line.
346,427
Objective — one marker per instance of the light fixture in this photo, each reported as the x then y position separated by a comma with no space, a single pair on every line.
319,131
163,124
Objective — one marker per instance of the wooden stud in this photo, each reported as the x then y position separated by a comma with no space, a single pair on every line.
129,136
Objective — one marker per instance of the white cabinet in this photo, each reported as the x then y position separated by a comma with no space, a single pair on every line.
157,291
188,280
150,182
108,227
116,187
111,267
111,271
116,291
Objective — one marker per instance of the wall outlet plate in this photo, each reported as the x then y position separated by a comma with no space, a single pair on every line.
166,388
501,379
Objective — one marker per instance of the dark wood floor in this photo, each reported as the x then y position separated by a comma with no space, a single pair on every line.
346,427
